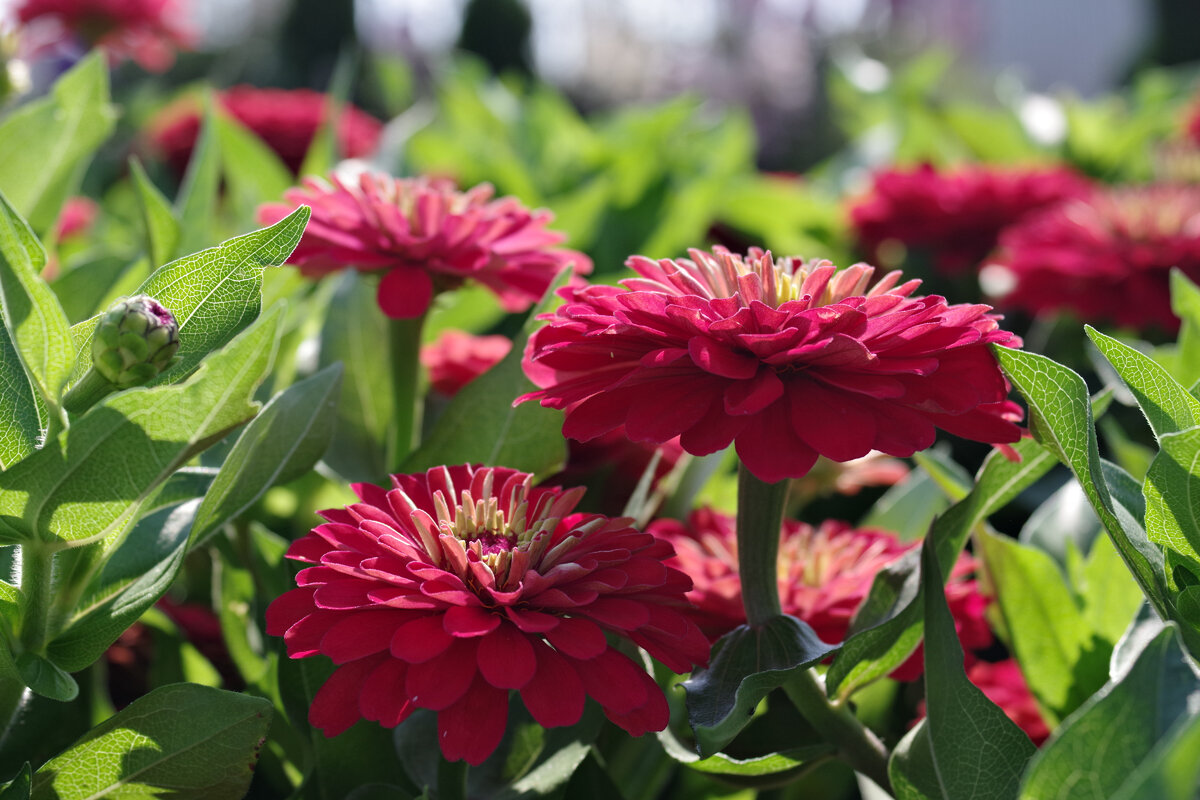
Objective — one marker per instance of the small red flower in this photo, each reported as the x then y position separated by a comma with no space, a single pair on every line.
457,358
1107,258
460,584
286,119
424,236
825,572
76,217
955,216
147,31
789,362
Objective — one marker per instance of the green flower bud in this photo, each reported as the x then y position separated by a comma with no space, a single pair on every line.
135,340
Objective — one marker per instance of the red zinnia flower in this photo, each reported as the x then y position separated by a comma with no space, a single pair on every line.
286,119
955,216
1106,258
789,362
460,584
425,236
457,358
148,31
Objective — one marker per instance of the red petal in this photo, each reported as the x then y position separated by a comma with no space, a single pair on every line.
467,621
405,293
506,658
382,697
361,634
653,715
614,681
578,638
835,424
335,706
472,728
555,696
421,639
288,609
439,682
718,359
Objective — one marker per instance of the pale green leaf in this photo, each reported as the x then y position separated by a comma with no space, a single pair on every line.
199,193
20,425
162,227
1167,405
1172,491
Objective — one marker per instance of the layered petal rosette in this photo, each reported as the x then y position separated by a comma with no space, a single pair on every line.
954,216
1107,258
458,585
788,361
426,237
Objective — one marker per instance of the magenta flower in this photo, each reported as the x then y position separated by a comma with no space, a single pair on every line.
457,358
425,237
460,584
147,31
790,362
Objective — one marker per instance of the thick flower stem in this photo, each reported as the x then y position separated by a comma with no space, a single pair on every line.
36,572
452,780
856,744
91,389
404,351
759,519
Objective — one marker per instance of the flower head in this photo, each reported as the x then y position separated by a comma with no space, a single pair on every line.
286,119
135,339
457,358
460,584
954,216
425,236
1106,258
787,360
148,31
824,571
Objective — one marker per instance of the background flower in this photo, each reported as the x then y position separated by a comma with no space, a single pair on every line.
789,362
147,31
286,119
955,216
1107,257
460,584
425,237
456,358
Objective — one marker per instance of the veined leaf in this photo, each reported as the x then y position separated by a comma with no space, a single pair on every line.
1167,405
20,424
1172,491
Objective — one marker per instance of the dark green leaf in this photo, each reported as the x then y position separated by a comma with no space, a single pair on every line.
20,425
1101,751
1167,405
158,218
186,741
911,767
283,442
978,752
746,665
46,679
20,786
49,141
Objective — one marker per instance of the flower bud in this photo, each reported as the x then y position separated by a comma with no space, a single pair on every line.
135,340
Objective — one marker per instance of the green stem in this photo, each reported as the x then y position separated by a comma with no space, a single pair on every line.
759,520
12,692
856,744
91,389
404,351
37,563
452,780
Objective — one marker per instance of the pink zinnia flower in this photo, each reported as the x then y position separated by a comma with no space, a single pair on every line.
1107,258
425,237
790,362
955,216
462,583
457,358
147,31
825,572
286,119
76,217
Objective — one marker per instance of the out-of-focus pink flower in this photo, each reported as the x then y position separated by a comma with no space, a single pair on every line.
457,358
955,216
147,31
462,583
825,572
426,237
285,119
1107,258
788,362
849,477
76,217
1003,684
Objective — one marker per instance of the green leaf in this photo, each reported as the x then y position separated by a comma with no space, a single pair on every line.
911,768
762,766
1102,750
977,751
746,665
282,443
55,137
137,574
1064,520
186,741
20,786
482,426
46,678
32,314
355,333
90,482
887,626
1109,594
200,191
1061,418
213,294
20,425
1167,405
1185,301
1171,489
908,508
1171,771
162,227
1063,661
253,172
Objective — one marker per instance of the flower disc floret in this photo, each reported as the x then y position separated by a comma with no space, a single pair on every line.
424,236
789,361
460,584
